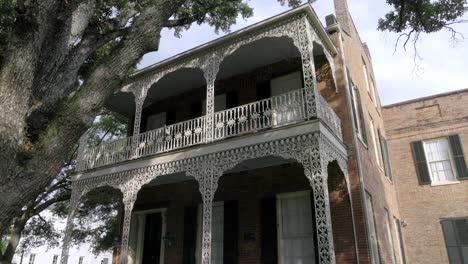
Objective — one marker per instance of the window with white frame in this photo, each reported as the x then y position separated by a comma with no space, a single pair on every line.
372,234
55,259
439,160
295,230
374,140
32,258
80,260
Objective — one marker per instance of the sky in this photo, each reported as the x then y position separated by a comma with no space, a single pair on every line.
442,65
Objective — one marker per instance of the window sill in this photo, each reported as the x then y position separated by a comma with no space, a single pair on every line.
444,183
362,141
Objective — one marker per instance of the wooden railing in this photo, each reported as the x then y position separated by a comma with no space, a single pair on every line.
276,111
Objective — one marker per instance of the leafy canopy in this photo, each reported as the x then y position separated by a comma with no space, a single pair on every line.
413,17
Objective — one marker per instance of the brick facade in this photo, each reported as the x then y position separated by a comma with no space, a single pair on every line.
423,206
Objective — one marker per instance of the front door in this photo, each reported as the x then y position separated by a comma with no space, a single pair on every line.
152,239
295,232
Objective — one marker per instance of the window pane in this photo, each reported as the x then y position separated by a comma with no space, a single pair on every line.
462,231
438,156
454,255
464,251
449,233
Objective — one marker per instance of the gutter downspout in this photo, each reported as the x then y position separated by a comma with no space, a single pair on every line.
355,138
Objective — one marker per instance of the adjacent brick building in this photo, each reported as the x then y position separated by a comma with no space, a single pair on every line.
428,141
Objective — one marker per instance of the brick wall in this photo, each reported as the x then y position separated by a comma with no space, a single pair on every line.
371,177
423,206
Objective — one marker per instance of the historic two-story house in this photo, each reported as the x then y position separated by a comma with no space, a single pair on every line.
264,146
428,139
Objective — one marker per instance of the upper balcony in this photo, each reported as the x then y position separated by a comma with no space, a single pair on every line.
260,78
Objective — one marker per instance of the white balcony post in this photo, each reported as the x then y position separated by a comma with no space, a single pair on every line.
137,122
210,71
208,183
316,170
81,161
130,191
308,66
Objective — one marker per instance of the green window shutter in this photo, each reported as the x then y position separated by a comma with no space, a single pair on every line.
388,168
361,117
458,157
421,163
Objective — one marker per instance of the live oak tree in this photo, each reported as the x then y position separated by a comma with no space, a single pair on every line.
35,226
61,59
411,18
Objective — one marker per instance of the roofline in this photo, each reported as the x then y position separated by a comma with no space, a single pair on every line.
426,98
304,7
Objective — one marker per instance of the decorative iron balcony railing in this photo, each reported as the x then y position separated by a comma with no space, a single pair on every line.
276,111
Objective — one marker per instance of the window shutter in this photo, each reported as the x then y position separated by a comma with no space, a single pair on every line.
314,227
353,107
458,157
190,235
388,168
361,119
268,229
385,157
231,232
420,162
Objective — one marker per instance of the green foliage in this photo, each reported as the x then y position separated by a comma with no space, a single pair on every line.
422,16
106,127
40,231
96,221
3,245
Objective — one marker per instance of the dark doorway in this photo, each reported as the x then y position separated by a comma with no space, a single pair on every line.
152,243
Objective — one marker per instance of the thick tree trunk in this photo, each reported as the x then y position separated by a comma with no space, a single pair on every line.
14,238
26,168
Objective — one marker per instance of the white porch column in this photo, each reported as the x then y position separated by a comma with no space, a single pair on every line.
210,70
130,192
207,180
73,207
305,42
137,122
316,171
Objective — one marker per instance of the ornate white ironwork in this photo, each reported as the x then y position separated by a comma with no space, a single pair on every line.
106,153
167,138
313,150
327,115
275,111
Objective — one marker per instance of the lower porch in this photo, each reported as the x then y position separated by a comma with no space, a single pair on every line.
263,215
